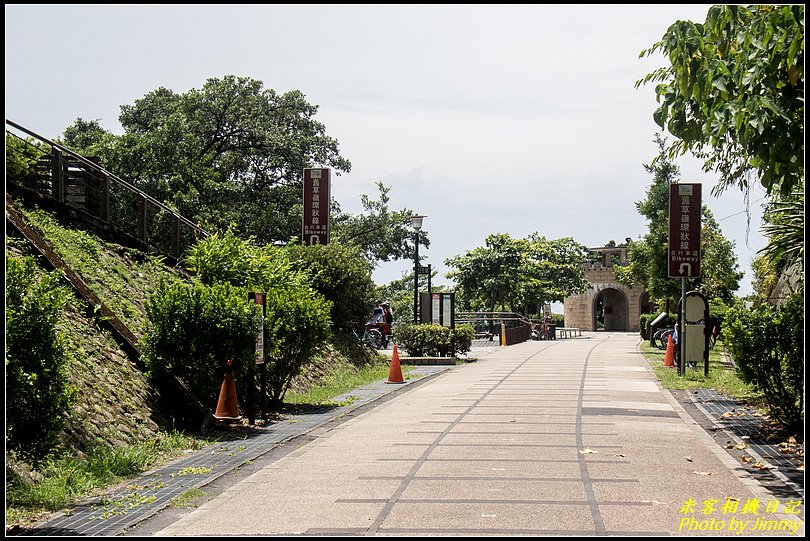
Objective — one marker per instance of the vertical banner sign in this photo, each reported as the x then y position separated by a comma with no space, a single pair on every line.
258,298
315,229
447,311
436,304
684,231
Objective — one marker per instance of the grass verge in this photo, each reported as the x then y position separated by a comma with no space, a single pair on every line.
722,376
340,380
66,480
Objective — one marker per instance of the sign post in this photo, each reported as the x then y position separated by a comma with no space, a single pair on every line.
259,298
683,251
696,331
315,228
438,308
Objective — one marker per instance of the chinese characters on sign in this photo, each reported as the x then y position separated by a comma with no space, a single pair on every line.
684,231
753,517
315,229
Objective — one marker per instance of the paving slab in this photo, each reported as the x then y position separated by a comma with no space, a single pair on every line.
568,437
613,454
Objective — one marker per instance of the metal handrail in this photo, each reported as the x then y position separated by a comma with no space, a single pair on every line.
112,176
495,316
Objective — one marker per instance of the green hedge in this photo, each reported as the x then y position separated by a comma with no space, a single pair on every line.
644,321
768,346
426,340
189,320
192,331
37,393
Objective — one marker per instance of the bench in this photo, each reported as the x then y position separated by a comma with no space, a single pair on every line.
569,332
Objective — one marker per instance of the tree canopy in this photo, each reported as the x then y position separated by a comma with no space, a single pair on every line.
228,153
648,264
734,93
519,274
381,233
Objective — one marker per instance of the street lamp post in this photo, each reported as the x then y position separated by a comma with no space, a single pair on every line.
416,222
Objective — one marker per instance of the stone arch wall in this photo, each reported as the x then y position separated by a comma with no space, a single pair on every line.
615,308
579,309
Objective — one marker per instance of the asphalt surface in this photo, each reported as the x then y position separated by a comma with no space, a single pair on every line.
566,437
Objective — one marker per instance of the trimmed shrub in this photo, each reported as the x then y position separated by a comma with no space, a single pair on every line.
297,322
644,321
768,346
297,325
37,393
343,276
428,340
194,329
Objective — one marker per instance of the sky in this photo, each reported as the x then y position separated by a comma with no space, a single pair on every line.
486,119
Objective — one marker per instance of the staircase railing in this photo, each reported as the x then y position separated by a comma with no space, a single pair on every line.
55,172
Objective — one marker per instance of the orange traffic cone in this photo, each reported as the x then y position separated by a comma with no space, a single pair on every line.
669,358
395,372
227,408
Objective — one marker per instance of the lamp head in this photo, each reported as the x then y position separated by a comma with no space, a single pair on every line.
416,221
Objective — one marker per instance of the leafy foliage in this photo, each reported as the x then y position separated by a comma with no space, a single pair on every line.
399,294
768,346
427,340
230,152
382,234
519,274
342,275
21,158
784,227
644,321
734,93
719,272
297,319
193,330
225,257
648,264
37,394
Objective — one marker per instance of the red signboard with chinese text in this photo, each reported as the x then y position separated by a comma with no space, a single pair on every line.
315,229
683,252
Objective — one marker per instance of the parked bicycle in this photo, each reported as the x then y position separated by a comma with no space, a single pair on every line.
661,337
371,337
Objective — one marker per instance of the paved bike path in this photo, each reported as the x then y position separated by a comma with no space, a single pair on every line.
138,500
569,437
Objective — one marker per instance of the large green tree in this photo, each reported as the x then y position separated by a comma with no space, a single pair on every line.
648,264
519,274
230,152
381,233
719,271
733,93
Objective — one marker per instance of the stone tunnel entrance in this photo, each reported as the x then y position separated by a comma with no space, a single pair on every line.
610,311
